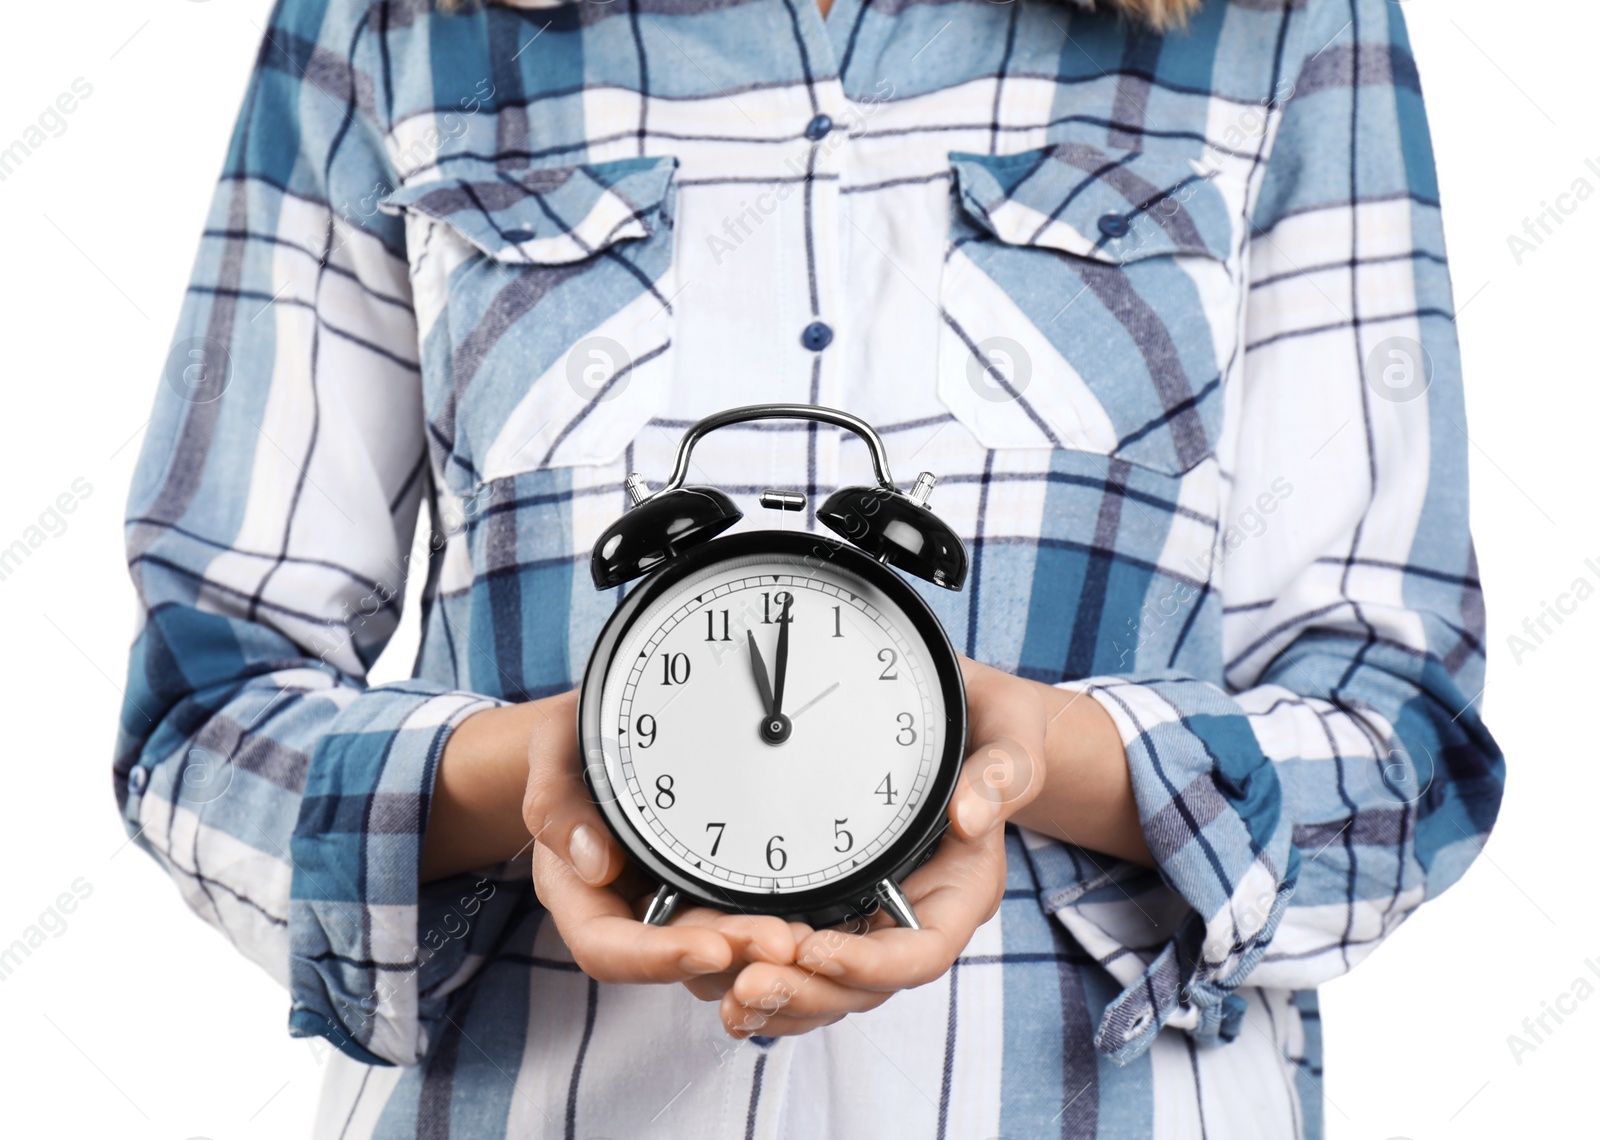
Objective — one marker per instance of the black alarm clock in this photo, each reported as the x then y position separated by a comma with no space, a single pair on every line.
773,721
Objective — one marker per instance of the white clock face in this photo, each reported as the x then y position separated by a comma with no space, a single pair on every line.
758,799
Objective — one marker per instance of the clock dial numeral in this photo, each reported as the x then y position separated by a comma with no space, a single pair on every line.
783,601
665,796
837,618
644,730
717,842
889,657
907,735
674,668
711,626
886,789
777,857
839,833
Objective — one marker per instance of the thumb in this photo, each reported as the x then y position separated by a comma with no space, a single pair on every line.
999,778
557,807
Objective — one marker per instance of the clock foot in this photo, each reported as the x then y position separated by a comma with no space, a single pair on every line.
659,913
896,905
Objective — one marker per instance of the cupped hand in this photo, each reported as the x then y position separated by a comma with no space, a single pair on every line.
583,879
857,967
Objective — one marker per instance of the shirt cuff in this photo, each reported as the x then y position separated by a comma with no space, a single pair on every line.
1211,807
358,954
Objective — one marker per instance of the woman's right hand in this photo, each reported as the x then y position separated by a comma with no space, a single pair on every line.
515,771
596,898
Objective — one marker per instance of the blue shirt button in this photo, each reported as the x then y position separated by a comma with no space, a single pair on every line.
519,235
817,336
1113,225
138,778
817,129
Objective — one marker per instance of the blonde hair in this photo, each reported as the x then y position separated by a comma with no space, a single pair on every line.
1158,14
1161,15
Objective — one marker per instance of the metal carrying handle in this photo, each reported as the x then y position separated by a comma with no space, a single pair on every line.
680,468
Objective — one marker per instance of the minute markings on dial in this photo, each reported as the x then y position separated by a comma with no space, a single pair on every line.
882,626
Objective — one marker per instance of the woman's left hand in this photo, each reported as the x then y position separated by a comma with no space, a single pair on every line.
840,970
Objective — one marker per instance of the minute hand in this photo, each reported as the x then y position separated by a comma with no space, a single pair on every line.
781,668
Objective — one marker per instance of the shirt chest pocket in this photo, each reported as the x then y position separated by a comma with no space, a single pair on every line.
544,306
1090,301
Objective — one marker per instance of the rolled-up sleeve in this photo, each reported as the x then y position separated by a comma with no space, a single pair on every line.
269,536
1339,775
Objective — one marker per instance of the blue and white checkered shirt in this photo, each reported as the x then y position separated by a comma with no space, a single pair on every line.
1169,316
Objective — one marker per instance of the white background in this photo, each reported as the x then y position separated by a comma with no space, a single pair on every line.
139,1021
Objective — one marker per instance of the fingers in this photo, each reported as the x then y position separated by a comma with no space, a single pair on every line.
954,893
557,808
711,987
841,971
762,994
610,944
752,939
758,938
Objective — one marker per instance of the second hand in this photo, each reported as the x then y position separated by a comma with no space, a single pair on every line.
795,715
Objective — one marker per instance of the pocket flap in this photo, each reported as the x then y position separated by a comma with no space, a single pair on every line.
1113,206
547,216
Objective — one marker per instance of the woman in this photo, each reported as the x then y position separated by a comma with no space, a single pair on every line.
1160,293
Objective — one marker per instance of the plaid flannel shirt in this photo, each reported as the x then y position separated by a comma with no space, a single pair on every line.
1170,317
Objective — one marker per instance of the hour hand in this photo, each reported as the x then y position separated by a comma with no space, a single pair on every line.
774,725
758,666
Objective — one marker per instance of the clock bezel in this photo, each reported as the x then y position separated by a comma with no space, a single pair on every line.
851,894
